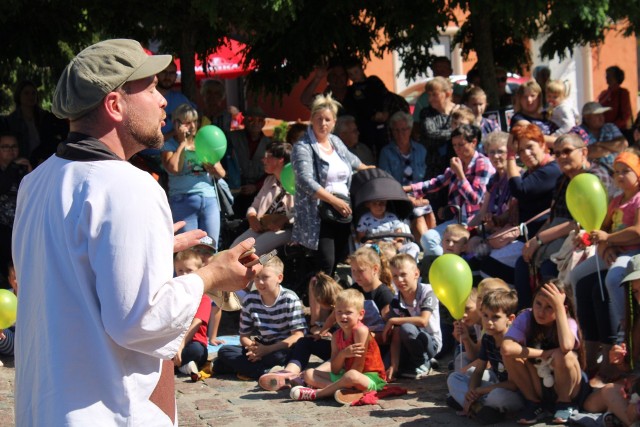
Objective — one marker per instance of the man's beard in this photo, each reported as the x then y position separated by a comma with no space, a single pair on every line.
147,137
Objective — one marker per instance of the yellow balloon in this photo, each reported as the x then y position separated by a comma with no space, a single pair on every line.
8,308
587,201
451,279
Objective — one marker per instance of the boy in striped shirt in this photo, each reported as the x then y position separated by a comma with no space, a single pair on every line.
271,322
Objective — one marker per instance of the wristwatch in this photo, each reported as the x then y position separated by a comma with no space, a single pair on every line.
539,241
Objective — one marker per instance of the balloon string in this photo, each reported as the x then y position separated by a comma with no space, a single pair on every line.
599,276
629,327
460,338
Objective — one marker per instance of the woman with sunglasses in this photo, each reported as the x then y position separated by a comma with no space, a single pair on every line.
535,263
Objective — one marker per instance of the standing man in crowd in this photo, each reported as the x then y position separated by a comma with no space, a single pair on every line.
99,313
166,80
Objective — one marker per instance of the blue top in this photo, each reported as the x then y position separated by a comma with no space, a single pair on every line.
193,178
393,162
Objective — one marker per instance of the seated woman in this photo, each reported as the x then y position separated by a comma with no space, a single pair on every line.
466,180
532,192
535,263
404,159
534,188
271,214
494,211
529,110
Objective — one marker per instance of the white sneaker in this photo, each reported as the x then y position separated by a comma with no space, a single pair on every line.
189,368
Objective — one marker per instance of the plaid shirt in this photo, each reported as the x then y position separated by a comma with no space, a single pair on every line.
466,193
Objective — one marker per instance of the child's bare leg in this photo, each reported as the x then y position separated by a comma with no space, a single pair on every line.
567,375
394,349
524,375
418,227
595,402
214,324
317,378
616,402
351,379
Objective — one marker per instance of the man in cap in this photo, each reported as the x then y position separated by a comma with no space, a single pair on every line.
166,81
99,313
605,141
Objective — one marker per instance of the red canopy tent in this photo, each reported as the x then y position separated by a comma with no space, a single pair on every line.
224,63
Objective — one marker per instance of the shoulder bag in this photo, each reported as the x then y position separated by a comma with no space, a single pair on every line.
510,233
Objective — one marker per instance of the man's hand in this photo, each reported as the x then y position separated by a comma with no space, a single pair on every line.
187,239
227,271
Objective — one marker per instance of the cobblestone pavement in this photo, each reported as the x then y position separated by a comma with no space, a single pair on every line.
226,401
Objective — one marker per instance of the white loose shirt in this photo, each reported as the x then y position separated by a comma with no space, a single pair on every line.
97,308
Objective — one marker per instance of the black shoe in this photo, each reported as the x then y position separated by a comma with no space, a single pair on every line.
487,415
453,404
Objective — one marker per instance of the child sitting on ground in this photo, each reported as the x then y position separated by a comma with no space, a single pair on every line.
380,221
547,333
613,398
324,290
563,115
355,357
7,335
474,329
488,399
192,353
271,322
372,277
454,241
466,333
206,251
413,323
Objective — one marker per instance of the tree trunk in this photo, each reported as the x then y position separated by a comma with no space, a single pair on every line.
187,63
480,17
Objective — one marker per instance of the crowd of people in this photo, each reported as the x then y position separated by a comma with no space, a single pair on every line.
529,343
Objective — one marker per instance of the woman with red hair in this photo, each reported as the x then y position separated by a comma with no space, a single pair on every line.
534,189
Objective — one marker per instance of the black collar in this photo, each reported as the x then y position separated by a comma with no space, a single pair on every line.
84,148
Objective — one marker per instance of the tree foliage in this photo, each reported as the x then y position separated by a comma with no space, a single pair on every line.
286,39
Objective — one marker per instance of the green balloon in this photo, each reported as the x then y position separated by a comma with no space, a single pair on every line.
288,179
211,144
8,308
451,279
587,201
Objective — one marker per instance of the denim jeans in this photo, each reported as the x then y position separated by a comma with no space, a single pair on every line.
499,398
198,212
232,359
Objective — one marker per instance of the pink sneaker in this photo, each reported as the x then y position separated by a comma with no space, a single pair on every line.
303,393
273,381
